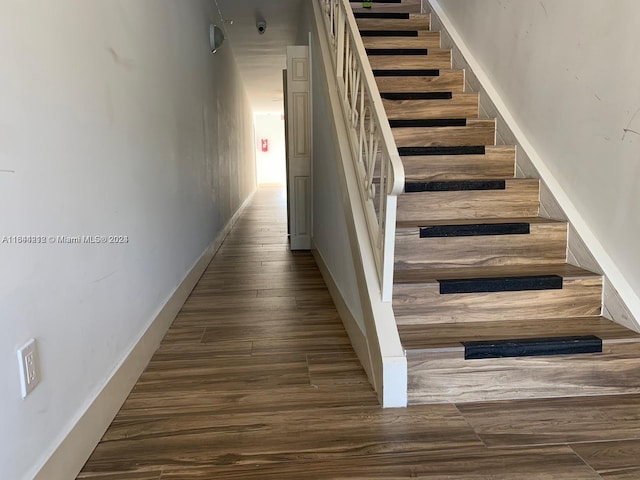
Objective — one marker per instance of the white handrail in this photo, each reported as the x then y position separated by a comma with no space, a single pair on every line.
372,144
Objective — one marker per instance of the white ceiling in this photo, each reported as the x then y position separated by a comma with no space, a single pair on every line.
261,58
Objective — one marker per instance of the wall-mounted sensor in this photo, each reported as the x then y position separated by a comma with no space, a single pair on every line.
216,37
261,25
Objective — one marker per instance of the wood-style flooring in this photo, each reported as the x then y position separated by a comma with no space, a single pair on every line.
256,379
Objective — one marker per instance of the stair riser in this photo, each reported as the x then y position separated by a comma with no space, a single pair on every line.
520,199
436,59
477,132
447,81
410,6
427,40
443,377
423,304
545,244
460,106
496,163
416,22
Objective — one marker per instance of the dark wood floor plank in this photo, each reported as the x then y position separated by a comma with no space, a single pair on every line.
328,342
249,305
183,336
285,399
214,334
461,464
295,318
197,351
335,369
626,474
133,475
301,290
201,291
272,437
613,460
555,421
238,374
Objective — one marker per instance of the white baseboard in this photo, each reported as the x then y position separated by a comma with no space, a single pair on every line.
67,459
356,335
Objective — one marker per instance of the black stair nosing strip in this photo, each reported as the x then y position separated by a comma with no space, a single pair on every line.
454,186
532,347
431,151
431,72
383,15
497,284
428,122
476,230
397,51
417,96
388,33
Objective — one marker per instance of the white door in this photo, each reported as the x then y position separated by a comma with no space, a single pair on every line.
299,147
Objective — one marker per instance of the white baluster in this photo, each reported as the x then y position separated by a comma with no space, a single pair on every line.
371,137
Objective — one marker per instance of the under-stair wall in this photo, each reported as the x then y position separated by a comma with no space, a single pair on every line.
586,248
341,243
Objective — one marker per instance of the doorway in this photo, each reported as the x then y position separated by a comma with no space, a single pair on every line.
270,149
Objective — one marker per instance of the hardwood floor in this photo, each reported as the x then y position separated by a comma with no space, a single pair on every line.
256,379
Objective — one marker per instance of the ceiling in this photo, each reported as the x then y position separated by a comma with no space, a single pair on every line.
261,58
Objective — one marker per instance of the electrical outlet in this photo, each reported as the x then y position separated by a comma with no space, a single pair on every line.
29,373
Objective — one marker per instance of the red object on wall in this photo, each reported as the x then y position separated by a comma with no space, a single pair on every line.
265,144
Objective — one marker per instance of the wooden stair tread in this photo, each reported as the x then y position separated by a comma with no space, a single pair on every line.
476,132
413,224
447,81
441,376
416,22
427,40
519,198
392,57
482,242
489,150
423,276
436,59
408,7
497,162
463,105
420,338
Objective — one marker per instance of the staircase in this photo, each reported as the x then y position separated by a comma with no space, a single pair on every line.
486,304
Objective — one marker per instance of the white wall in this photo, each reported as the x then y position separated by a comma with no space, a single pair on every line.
115,119
568,73
271,165
330,231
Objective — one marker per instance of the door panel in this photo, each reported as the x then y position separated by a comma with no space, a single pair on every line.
298,107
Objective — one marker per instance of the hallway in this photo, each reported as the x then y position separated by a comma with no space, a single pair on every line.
256,379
